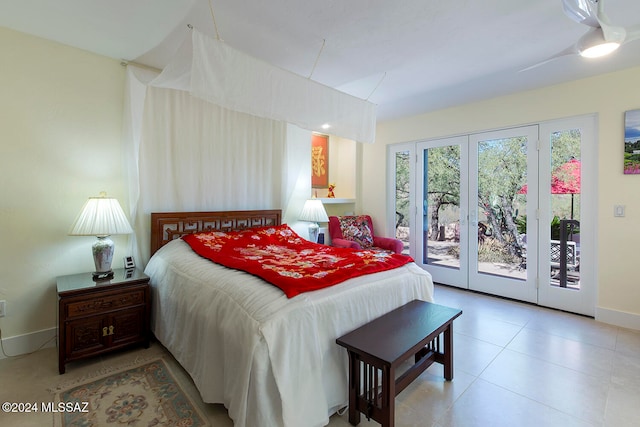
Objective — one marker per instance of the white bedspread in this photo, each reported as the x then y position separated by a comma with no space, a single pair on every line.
270,360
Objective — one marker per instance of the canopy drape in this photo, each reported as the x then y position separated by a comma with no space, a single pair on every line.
214,71
219,130
186,154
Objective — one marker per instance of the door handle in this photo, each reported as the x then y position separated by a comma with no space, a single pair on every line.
473,218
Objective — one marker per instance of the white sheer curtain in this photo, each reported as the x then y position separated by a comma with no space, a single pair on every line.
228,77
214,71
185,154
194,154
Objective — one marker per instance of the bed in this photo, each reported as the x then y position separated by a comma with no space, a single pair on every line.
271,360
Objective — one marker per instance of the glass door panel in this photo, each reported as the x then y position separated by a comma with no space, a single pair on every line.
503,197
443,190
564,195
402,198
402,208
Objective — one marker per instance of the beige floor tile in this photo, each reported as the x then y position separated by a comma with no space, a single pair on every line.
513,312
487,329
628,342
576,328
572,392
623,406
626,371
585,358
472,355
485,404
430,395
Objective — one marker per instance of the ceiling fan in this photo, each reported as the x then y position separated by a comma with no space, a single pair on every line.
601,39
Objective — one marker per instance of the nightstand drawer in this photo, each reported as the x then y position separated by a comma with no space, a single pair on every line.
99,303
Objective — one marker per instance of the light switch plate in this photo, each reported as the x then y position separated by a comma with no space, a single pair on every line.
618,210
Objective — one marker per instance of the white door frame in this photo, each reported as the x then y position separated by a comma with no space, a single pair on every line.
583,300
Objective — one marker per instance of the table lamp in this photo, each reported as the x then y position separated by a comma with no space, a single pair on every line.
101,217
313,211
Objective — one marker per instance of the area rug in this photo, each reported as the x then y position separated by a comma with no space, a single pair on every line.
144,395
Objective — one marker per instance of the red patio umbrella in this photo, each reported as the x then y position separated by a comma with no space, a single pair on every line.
564,180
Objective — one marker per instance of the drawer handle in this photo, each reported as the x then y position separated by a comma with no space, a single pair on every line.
112,303
107,331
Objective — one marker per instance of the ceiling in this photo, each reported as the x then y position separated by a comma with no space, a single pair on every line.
408,57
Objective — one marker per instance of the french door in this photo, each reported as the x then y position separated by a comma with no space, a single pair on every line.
468,186
568,206
477,211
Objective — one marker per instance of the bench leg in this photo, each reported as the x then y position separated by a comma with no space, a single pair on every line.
388,409
448,352
354,389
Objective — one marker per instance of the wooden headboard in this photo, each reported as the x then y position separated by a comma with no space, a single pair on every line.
167,226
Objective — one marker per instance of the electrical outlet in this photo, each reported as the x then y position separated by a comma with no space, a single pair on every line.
2,304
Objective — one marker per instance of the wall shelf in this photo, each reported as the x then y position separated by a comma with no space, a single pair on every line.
335,200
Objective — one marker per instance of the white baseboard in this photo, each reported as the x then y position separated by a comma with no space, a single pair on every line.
618,318
28,343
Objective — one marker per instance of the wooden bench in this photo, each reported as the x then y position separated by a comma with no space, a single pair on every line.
419,329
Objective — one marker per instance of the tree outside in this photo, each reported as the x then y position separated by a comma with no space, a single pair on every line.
402,196
502,177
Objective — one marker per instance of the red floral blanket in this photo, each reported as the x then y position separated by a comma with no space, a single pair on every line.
281,257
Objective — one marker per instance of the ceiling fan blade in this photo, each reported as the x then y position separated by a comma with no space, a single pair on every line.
610,32
582,11
613,33
602,17
633,33
571,50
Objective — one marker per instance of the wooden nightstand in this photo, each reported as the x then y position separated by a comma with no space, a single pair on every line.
98,317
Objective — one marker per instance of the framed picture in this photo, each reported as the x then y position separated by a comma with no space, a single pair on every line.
632,142
129,262
319,161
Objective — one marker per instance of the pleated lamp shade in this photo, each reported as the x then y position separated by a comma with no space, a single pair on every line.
313,211
101,217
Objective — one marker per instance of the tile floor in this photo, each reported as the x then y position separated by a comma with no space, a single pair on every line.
515,365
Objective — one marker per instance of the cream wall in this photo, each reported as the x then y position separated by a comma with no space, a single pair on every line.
609,96
343,173
61,111
342,167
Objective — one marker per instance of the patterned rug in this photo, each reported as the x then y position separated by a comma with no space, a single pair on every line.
145,395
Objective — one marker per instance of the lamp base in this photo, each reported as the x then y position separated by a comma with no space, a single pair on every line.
100,277
313,232
103,250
